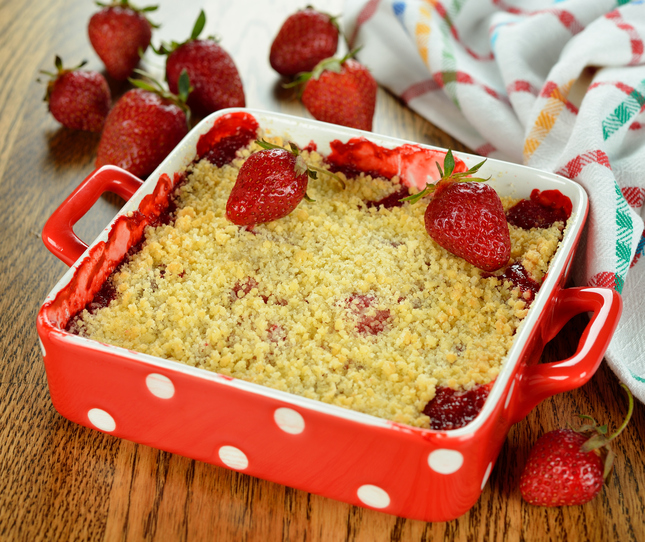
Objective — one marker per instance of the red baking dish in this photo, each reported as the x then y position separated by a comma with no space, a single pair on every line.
415,473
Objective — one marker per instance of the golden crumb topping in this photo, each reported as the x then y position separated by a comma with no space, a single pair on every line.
340,302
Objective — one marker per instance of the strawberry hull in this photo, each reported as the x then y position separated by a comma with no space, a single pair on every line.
415,473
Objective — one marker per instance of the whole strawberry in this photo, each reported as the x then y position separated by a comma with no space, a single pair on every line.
143,127
466,217
216,83
340,91
270,184
305,38
120,33
78,99
568,467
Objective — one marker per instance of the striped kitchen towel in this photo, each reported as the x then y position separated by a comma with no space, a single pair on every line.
556,85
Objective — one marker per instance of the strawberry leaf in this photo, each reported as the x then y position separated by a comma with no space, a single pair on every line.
266,145
447,174
429,189
312,173
199,25
126,4
596,442
183,86
150,84
599,439
609,463
439,170
448,164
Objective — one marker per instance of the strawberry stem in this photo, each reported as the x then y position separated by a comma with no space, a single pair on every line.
599,439
167,48
630,410
150,84
126,4
310,170
60,71
332,64
446,175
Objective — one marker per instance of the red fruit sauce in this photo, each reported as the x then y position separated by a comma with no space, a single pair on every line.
229,133
240,289
247,285
542,210
391,201
519,276
416,166
451,409
368,322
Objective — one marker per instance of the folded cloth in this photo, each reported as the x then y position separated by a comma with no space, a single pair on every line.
556,85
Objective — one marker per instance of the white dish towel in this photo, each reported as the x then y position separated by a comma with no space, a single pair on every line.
556,85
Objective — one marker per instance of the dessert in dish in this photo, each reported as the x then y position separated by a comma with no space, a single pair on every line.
346,300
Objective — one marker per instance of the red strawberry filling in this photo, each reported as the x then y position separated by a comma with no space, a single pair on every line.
519,276
369,320
229,133
242,288
413,164
391,201
542,210
451,409
276,333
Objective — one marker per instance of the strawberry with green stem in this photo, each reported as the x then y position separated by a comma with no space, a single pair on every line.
78,99
568,467
340,91
466,217
212,72
144,126
270,184
120,33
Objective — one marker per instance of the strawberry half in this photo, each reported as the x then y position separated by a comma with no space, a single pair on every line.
270,184
466,217
78,99
215,81
568,467
120,33
143,127
304,39
340,91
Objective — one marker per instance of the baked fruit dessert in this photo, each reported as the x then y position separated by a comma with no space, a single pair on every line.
346,299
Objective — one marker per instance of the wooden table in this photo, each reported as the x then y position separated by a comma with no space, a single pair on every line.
59,481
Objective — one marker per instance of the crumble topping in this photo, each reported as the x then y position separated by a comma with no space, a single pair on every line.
340,302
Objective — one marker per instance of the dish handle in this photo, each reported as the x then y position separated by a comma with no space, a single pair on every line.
537,382
58,233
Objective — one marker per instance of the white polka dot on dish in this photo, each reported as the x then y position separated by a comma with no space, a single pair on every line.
160,386
487,474
373,496
289,420
233,457
101,420
445,461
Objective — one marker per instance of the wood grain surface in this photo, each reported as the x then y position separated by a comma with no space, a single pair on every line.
59,481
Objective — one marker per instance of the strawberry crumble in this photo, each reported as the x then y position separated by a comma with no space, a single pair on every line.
346,300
